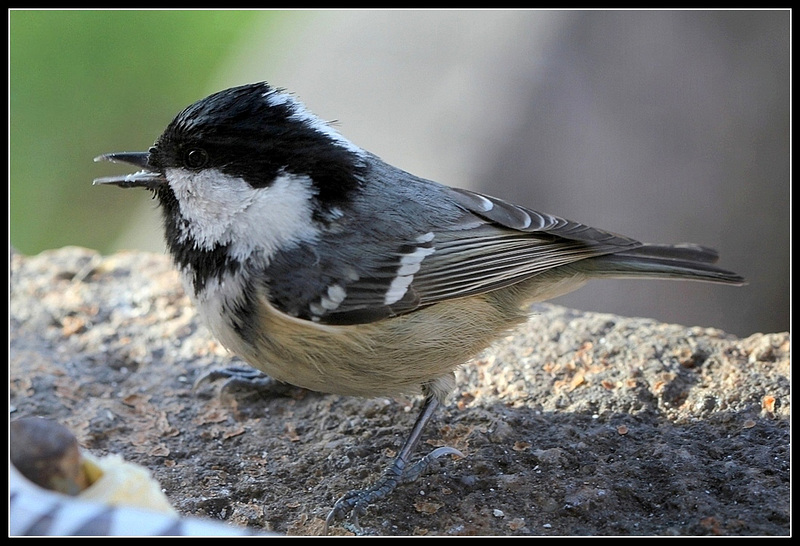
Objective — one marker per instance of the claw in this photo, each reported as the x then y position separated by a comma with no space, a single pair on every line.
245,379
412,473
356,502
226,373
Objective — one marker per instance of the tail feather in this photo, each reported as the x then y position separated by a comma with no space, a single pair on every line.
683,261
689,252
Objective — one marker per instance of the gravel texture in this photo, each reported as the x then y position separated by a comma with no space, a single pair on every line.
577,424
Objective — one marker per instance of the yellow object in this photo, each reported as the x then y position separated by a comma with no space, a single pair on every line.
117,482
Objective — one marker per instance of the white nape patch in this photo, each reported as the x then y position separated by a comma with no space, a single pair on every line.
301,113
226,210
409,265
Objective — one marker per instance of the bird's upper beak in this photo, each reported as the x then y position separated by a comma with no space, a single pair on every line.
148,177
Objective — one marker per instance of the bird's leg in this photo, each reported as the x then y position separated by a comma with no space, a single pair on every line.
399,472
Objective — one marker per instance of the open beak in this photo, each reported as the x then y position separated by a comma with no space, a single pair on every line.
148,177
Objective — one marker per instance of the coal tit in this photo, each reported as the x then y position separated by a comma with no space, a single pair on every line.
327,268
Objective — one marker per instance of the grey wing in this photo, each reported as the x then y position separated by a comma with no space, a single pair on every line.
485,245
506,245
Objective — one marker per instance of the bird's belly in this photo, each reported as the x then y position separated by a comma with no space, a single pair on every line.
383,358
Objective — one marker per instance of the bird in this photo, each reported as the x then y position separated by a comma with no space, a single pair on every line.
325,267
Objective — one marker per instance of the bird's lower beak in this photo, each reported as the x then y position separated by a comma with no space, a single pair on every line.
146,178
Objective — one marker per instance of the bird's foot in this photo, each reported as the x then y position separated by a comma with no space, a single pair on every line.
356,502
240,380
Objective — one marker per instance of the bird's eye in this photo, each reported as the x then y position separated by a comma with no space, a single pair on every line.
195,158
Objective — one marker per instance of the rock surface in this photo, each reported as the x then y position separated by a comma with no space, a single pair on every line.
578,424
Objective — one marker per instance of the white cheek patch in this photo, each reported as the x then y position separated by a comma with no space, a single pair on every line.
208,202
225,210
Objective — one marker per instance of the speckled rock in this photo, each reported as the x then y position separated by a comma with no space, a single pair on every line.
577,424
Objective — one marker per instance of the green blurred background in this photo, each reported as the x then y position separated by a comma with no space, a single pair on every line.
88,82
664,125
